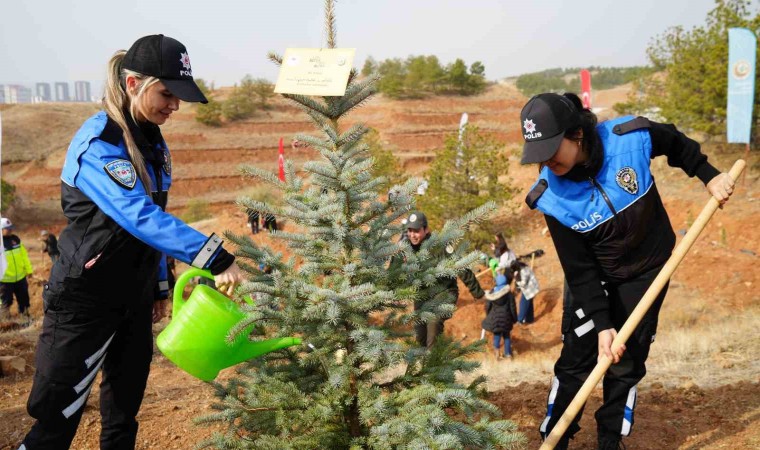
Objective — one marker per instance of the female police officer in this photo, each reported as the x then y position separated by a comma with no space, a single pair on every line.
111,277
612,236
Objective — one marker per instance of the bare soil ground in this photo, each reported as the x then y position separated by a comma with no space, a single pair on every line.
702,387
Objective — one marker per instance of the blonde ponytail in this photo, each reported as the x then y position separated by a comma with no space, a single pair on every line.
116,101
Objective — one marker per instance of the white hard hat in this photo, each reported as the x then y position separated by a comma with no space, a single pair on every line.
6,223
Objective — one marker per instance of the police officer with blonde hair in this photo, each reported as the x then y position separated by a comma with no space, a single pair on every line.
110,282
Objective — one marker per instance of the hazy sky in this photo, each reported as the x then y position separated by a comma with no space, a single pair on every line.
66,40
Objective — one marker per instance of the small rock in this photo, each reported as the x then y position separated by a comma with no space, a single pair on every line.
10,365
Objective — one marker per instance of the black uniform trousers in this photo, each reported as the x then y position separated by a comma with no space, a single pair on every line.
579,356
77,340
20,289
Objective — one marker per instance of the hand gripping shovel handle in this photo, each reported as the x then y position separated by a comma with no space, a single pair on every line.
638,313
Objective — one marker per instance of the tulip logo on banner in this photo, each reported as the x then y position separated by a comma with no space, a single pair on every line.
742,49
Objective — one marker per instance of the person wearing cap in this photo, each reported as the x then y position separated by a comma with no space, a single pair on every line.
14,280
50,245
417,232
110,282
612,236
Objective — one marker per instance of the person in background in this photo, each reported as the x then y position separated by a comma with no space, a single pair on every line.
608,224
50,245
501,314
527,283
253,221
14,281
270,222
417,232
110,282
502,252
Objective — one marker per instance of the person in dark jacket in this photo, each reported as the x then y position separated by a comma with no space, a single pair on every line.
253,221
111,282
417,232
270,222
501,315
50,245
612,236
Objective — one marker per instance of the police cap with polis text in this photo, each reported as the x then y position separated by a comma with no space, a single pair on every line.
416,221
166,59
545,119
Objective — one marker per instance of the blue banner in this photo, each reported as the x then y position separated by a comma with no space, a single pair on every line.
742,49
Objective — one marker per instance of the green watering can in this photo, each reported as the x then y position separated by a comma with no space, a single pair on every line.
195,339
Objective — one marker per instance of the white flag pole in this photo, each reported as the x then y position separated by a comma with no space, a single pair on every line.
462,125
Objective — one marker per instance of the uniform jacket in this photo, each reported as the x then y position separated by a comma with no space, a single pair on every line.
609,225
19,265
117,234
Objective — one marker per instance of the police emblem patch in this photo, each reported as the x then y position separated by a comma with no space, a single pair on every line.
167,162
122,172
626,179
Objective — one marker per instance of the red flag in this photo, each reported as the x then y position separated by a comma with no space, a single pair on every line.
281,161
586,88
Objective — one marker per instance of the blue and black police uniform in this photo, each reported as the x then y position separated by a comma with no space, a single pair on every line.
98,301
612,236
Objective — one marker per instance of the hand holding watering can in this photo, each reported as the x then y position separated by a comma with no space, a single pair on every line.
227,280
195,339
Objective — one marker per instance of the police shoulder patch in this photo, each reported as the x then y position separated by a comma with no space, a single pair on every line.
627,179
167,162
122,172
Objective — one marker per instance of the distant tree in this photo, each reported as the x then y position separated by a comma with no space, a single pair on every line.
424,76
241,103
369,67
8,195
421,76
477,68
210,113
568,80
694,92
458,77
465,176
393,73
263,91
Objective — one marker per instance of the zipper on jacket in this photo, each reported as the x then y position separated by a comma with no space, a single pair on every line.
604,195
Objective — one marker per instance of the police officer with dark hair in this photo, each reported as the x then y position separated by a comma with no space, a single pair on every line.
111,279
612,236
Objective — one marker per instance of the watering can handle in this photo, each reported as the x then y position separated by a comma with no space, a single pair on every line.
179,287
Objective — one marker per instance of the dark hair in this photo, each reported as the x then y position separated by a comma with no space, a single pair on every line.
501,245
591,142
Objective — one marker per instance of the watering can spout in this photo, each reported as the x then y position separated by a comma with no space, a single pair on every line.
249,350
196,338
